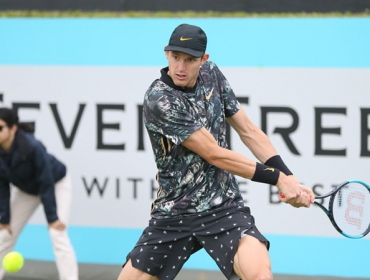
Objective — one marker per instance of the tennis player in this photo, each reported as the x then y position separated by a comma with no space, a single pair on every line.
38,178
199,204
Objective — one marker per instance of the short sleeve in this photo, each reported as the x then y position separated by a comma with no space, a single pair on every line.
171,116
231,104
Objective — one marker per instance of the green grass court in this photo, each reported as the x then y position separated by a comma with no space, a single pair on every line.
37,270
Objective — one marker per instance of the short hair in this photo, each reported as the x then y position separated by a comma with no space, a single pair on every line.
9,115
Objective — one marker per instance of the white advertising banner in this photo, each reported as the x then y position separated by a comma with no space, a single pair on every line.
90,118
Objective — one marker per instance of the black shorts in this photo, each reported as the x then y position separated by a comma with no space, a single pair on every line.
166,244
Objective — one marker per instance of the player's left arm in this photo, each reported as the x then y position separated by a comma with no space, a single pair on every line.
252,136
261,147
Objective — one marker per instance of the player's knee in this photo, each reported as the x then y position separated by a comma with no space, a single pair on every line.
256,275
264,275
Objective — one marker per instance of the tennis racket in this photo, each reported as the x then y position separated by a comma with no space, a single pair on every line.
349,208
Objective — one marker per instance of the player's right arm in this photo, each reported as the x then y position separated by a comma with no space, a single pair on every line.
204,144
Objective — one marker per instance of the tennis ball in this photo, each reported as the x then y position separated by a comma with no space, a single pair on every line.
13,262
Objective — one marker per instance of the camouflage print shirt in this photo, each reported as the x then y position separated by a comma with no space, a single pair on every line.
187,183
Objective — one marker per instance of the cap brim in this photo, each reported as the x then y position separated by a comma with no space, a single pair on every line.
184,50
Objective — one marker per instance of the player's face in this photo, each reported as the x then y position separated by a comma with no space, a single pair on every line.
6,135
184,68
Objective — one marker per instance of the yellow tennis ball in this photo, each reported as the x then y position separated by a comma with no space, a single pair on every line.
13,262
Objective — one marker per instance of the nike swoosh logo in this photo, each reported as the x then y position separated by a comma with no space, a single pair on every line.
209,95
185,39
269,169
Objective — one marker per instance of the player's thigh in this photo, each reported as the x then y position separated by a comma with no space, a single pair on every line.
131,273
252,260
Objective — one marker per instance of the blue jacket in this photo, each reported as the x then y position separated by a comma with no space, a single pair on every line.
29,167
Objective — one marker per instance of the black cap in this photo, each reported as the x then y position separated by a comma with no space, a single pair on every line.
189,39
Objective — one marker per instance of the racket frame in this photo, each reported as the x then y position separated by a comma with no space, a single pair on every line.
329,212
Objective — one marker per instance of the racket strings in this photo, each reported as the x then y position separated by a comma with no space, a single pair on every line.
351,209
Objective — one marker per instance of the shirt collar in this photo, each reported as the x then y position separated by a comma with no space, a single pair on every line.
168,81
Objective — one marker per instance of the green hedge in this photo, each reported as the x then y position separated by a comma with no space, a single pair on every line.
164,14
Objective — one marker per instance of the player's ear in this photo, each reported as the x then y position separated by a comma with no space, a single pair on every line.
166,53
205,58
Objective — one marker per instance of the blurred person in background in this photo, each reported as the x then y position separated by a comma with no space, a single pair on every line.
30,176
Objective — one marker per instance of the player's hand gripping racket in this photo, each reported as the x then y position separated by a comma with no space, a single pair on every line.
349,208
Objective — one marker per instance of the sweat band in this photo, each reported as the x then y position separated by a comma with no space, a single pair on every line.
277,162
266,174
